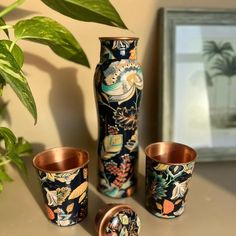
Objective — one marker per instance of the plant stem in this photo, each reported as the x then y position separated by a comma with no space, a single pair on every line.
4,162
12,45
11,7
6,27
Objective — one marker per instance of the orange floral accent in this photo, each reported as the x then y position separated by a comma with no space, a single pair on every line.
130,191
70,208
132,54
50,213
168,207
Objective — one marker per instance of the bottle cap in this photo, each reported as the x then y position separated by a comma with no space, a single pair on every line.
117,218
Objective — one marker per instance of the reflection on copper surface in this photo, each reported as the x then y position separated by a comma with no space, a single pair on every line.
61,159
170,152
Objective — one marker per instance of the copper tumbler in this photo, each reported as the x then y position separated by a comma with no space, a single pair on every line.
169,168
63,173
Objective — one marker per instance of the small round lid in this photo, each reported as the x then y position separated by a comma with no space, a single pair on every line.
117,219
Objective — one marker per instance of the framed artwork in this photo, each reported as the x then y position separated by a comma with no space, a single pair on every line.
198,70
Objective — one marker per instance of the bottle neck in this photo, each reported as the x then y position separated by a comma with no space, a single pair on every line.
118,49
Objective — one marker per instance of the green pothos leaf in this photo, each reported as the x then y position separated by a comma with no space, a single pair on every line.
16,51
101,11
2,84
3,110
9,139
2,23
23,147
17,160
12,74
4,177
49,32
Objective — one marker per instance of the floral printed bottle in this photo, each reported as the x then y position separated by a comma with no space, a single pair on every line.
118,86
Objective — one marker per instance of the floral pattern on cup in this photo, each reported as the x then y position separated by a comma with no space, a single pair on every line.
66,195
166,187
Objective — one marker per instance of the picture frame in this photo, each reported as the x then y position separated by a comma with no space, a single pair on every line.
198,74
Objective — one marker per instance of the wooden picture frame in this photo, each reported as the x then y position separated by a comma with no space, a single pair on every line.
198,72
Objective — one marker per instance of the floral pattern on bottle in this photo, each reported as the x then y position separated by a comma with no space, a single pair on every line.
66,195
118,86
166,187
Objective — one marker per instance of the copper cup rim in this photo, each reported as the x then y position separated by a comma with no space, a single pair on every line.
60,148
171,163
118,38
107,214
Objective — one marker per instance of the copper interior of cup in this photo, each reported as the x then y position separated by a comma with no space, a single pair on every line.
61,159
170,152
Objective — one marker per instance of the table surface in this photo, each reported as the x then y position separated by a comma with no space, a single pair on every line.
210,208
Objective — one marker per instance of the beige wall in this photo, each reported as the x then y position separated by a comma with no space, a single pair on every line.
64,91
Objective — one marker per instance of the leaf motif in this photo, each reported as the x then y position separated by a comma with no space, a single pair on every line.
46,31
50,213
161,167
62,194
178,201
51,176
179,190
70,208
100,11
51,197
168,206
179,212
79,190
112,145
11,72
159,206
124,232
176,169
81,198
124,219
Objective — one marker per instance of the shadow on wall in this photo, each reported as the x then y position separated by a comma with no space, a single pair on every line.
150,120
67,105
32,181
18,14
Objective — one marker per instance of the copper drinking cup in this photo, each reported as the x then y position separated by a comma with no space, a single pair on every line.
169,168
63,173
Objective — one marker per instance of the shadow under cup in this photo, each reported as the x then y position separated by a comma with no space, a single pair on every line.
169,167
63,174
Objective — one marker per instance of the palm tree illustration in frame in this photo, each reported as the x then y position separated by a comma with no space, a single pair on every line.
220,64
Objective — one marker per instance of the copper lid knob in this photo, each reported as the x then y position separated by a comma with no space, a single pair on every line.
117,219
